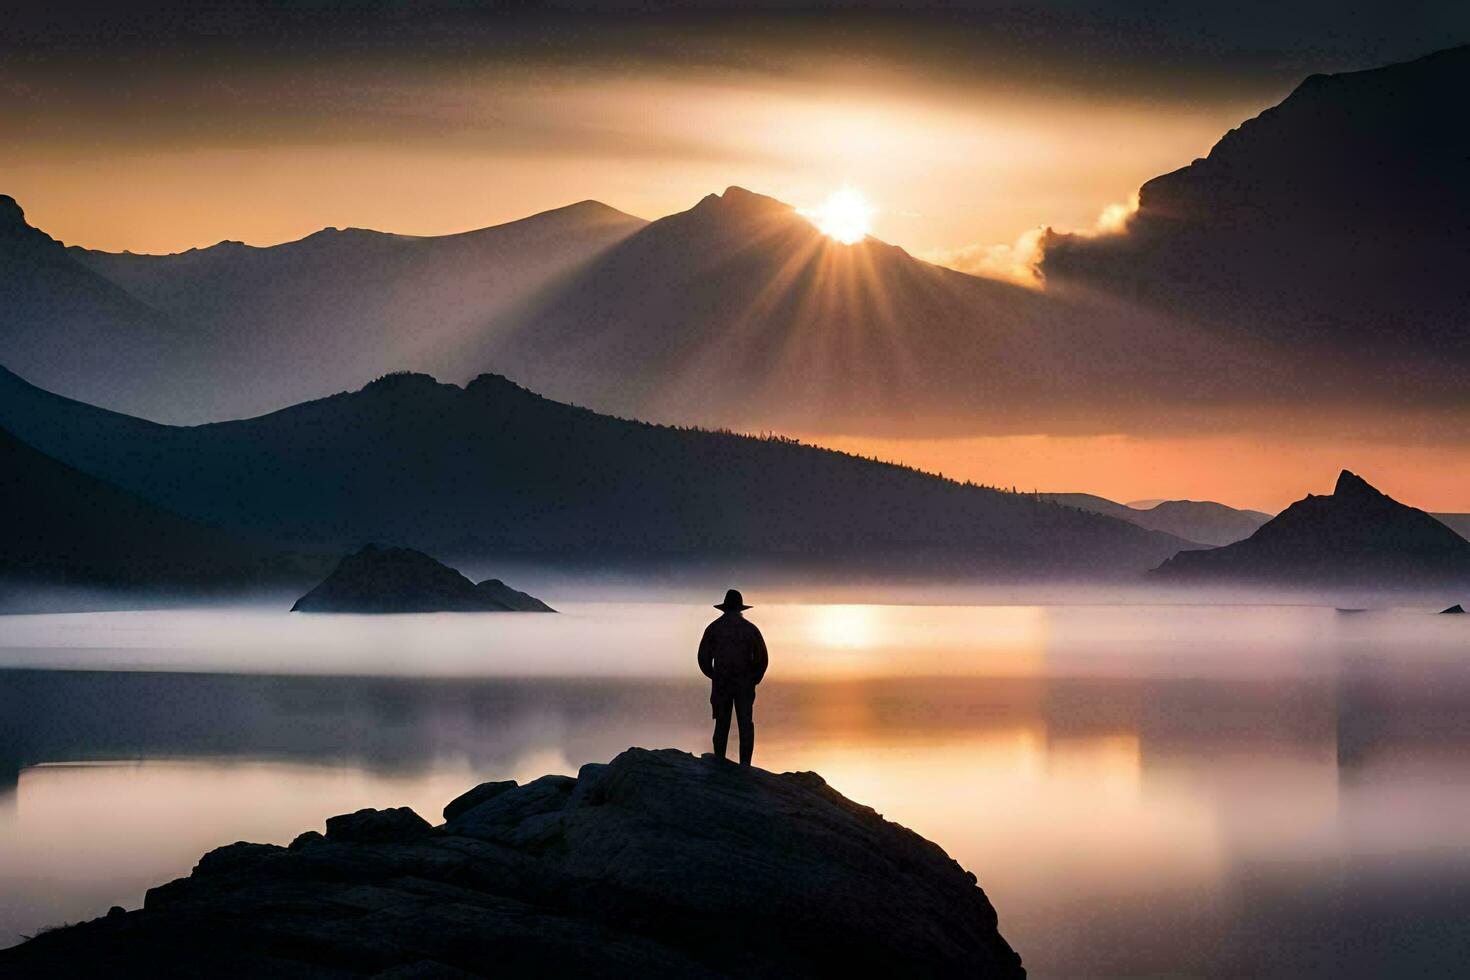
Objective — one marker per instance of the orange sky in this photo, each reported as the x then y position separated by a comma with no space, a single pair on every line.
1257,473
434,155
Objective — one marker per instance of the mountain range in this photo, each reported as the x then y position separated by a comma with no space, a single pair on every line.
1356,535
169,336
491,470
738,312
741,312
1204,521
1319,249
1317,256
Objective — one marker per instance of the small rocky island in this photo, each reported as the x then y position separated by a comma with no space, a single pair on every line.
657,864
376,579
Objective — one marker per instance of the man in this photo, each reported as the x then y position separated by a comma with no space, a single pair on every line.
732,654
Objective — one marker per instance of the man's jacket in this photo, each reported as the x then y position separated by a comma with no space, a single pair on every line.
732,654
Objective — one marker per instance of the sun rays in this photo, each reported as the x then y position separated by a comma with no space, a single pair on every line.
845,216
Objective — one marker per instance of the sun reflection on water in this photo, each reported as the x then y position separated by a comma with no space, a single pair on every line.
870,640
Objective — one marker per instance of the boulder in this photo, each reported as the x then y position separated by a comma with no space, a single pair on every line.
657,864
1454,610
371,826
473,798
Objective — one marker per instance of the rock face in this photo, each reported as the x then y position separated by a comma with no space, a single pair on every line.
1333,222
482,793
1357,535
371,826
401,580
657,864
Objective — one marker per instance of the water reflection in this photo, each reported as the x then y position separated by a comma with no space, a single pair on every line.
1266,792
1121,825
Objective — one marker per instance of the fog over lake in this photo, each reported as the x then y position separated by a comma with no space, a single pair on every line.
1204,789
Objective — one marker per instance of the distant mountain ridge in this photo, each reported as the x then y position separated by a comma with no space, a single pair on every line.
1356,535
170,336
492,470
1204,521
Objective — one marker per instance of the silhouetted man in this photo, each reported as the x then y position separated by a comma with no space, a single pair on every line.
732,654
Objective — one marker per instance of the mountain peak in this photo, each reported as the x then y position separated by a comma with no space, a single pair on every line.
1349,484
490,381
13,224
11,212
403,381
739,201
593,208
1357,535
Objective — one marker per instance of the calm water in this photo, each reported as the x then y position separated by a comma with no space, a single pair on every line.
1141,790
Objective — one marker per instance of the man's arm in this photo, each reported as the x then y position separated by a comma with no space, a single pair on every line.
759,659
706,654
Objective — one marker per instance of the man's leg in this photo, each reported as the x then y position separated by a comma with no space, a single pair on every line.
744,709
722,725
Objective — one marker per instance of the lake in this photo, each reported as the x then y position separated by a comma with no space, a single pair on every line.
1207,790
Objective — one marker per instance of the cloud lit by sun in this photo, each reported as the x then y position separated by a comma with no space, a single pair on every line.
845,216
1020,261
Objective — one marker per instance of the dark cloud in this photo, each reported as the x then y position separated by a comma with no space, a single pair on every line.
1110,45
247,72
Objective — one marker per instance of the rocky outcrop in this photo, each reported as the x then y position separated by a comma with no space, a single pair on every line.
401,580
1455,610
657,864
371,826
1355,535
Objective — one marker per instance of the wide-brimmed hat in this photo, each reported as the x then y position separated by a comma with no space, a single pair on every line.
733,600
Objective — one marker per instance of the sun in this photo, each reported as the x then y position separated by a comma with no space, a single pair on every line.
845,216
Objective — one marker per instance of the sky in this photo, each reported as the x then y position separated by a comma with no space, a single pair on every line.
161,127
156,129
